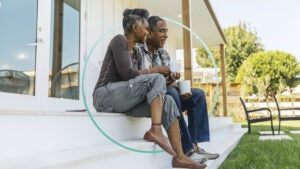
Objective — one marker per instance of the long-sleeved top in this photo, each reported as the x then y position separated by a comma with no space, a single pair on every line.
118,64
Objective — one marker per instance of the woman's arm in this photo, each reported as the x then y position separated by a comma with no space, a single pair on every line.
122,58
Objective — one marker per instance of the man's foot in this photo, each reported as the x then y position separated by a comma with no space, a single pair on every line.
184,162
160,140
210,156
197,157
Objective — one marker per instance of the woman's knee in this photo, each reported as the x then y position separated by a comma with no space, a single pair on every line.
158,78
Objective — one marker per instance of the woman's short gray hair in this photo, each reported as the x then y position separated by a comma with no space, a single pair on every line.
133,16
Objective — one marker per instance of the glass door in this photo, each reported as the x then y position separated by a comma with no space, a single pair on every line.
17,46
64,49
40,55
64,56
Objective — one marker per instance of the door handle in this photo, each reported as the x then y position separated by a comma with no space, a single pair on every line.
40,41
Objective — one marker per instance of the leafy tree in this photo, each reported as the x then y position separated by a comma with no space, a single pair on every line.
204,60
269,71
241,43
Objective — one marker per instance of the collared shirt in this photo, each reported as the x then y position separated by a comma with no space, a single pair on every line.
159,57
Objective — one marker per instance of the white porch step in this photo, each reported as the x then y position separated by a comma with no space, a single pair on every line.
110,156
70,141
223,143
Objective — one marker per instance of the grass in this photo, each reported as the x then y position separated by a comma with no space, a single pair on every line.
251,153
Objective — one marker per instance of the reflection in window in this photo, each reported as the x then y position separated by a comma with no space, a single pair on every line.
64,61
17,47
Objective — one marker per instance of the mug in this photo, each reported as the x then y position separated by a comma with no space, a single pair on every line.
184,87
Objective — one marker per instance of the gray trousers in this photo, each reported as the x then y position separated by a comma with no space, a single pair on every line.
134,96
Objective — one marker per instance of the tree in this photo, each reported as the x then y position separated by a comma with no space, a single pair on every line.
279,68
241,43
204,60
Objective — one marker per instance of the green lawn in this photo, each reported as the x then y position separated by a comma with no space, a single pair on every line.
251,153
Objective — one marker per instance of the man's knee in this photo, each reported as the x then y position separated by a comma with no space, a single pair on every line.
172,91
199,92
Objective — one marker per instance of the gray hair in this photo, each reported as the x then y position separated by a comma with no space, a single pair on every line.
133,16
152,21
131,20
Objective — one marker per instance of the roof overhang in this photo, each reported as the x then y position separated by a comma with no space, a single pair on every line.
203,20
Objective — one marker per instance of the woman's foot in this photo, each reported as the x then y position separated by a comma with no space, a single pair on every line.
159,139
185,162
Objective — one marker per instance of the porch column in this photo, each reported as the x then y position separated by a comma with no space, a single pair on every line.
187,48
223,72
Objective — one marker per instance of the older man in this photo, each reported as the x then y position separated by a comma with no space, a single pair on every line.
152,55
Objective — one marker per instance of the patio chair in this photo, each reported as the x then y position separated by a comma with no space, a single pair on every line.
65,82
264,117
284,116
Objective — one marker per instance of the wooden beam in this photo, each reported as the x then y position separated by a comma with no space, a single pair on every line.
223,72
187,47
57,41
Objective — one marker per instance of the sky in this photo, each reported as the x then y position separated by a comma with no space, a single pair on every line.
276,22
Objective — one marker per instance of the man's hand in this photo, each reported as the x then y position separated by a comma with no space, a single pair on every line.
175,75
172,78
186,96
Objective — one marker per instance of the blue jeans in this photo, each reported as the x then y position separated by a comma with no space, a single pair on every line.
198,126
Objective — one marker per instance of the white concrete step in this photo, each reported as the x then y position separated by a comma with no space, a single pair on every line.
111,156
223,143
70,140
99,156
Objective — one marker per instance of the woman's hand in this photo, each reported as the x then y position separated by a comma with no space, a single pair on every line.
164,70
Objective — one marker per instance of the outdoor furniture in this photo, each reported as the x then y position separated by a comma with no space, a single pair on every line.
65,83
285,117
265,116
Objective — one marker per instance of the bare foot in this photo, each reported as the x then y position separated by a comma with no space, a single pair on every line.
159,138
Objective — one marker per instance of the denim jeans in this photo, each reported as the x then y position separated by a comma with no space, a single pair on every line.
198,126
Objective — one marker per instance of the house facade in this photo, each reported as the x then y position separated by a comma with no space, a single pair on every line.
45,46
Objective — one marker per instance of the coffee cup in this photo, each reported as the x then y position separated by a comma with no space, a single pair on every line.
184,87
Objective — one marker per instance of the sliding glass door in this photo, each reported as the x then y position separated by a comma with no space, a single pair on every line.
40,54
18,34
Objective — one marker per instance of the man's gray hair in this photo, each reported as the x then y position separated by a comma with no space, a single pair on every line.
152,21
